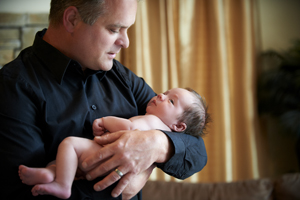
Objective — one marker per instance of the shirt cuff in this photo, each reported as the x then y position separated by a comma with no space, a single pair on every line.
172,165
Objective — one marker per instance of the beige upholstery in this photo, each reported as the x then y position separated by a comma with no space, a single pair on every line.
286,187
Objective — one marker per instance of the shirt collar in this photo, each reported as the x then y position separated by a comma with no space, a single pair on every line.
53,59
56,61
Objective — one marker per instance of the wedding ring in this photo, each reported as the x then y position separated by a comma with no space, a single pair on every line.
119,173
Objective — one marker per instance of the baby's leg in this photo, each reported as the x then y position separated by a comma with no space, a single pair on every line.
68,153
33,176
54,188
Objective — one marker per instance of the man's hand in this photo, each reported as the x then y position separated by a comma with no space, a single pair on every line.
131,152
137,183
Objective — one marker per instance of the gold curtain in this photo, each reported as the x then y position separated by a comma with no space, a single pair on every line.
208,45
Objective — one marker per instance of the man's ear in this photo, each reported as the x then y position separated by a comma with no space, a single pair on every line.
70,18
179,127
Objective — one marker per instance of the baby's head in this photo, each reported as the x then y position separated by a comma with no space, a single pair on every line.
182,110
195,116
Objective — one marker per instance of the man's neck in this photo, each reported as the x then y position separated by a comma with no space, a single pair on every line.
56,36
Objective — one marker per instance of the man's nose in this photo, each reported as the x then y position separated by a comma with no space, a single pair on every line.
123,40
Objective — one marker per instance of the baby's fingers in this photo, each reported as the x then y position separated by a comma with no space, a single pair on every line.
100,131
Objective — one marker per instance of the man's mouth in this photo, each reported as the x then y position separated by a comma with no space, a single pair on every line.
112,55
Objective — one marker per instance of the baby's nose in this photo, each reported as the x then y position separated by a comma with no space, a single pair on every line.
161,96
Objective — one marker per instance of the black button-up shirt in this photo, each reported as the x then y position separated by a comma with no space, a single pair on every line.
46,97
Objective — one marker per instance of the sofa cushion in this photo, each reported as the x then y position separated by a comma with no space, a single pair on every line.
287,187
242,190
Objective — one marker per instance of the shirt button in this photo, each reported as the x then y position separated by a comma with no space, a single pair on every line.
94,107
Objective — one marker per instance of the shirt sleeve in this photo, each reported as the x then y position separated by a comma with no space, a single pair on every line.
20,138
190,156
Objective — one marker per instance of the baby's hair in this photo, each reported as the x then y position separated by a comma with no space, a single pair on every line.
195,116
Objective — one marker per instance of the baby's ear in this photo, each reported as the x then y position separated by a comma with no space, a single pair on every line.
179,127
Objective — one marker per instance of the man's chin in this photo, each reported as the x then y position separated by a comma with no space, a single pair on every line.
107,66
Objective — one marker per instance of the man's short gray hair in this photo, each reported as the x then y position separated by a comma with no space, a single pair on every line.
89,10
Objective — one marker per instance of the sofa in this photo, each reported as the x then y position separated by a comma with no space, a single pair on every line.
285,187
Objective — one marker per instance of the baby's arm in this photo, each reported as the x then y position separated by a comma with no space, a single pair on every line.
111,124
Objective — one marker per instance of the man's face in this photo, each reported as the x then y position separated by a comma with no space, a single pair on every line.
170,105
97,45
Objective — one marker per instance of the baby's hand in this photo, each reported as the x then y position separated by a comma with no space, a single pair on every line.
99,132
98,128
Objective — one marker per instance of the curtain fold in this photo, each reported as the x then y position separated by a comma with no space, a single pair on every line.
208,45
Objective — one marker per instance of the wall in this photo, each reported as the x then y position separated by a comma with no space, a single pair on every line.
278,26
24,6
278,23
17,32
19,21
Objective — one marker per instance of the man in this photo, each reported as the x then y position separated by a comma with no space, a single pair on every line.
68,78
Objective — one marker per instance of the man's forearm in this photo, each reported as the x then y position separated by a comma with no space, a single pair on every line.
189,156
165,146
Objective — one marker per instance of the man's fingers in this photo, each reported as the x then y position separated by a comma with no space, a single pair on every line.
94,159
122,185
111,179
103,169
92,163
108,138
107,181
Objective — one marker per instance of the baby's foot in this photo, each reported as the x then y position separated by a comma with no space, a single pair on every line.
53,188
33,176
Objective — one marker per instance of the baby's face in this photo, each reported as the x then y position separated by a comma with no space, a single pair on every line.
170,105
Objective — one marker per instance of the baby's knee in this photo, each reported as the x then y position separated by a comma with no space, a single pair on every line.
70,141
